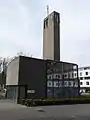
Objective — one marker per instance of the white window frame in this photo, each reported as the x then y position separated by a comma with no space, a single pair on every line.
66,84
48,85
55,82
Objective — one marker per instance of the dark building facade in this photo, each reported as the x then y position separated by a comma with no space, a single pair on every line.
25,75
62,80
36,78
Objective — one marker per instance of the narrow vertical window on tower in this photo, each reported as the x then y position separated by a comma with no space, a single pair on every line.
47,22
57,18
44,24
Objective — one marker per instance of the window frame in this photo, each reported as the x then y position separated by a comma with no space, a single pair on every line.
86,73
88,83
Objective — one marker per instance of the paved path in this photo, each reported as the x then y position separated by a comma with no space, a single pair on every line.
8,105
13,111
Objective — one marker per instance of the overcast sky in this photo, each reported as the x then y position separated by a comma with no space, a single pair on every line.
21,28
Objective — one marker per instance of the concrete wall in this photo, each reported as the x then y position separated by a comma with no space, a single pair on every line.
33,74
12,80
12,72
51,37
48,39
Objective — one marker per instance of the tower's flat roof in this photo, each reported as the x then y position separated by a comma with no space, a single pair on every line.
51,14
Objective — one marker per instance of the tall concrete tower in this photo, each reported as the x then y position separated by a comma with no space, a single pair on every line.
51,37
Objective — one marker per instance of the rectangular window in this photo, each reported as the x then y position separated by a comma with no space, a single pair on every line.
60,84
85,68
81,78
65,84
65,75
80,73
59,76
87,78
69,83
49,84
87,83
81,83
49,77
72,74
86,73
56,84
56,76
46,22
75,74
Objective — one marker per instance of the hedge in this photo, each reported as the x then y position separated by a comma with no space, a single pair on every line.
44,102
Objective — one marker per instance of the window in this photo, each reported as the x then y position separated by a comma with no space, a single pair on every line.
60,84
74,67
81,83
87,78
56,76
69,83
50,77
69,75
81,78
72,74
57,84
49,84
87,83
65,83
80,73
85,68
75,74
86,73
74,83
65,75
46,22
57,19
55,16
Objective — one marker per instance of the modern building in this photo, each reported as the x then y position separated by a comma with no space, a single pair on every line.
51,37
35,78
84,77
62,80
43,78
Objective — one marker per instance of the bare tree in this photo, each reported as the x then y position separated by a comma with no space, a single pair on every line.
0,64
3,68
23,54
